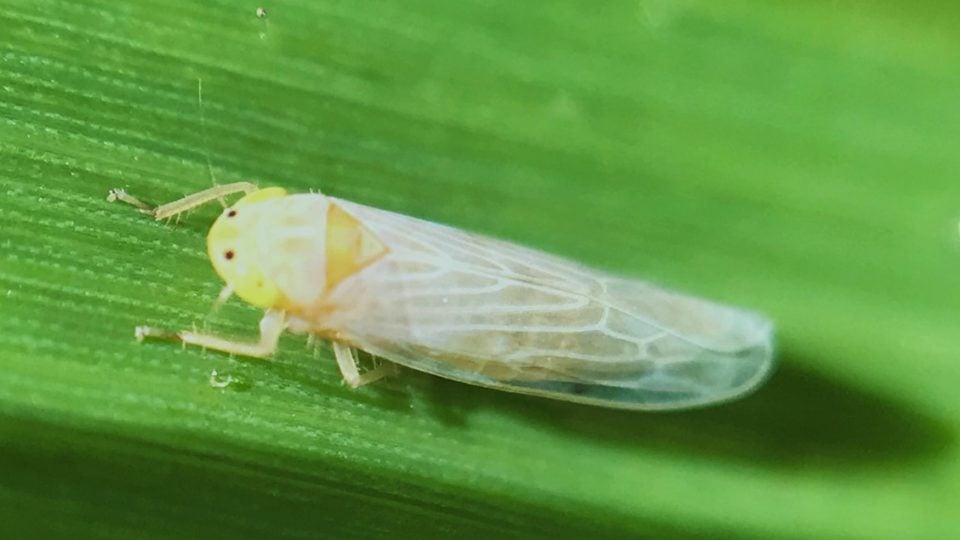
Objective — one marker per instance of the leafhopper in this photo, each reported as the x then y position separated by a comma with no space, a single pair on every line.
465,306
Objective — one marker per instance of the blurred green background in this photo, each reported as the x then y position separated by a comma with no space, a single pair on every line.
795,158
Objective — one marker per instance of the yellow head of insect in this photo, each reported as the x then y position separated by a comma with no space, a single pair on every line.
231,246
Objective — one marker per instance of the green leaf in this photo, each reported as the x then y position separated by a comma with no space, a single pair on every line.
796,158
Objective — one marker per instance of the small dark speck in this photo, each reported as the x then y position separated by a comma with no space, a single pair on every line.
232,213
229,254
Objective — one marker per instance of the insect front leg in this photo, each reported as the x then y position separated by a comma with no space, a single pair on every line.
347,362
184,204
272,325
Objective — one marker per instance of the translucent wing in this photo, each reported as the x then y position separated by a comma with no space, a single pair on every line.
491,313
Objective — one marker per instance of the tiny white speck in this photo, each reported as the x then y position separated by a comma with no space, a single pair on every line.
220,381
261,13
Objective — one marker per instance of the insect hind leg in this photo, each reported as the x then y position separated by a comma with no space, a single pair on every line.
347,360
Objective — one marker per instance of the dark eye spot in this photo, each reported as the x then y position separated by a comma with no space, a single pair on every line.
229,254
232,213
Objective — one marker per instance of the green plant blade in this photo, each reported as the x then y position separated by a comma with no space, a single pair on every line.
795,159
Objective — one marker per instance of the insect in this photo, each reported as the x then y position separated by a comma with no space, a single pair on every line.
464,306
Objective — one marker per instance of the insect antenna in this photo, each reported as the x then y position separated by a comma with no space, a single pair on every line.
225,293
203,134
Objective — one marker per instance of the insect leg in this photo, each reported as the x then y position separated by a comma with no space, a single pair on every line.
184,204
272,325
347,362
